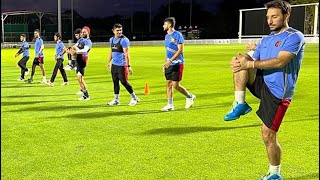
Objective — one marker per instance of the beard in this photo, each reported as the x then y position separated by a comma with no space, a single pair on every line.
276,28
84,36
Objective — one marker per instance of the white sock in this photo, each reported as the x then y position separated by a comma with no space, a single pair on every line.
274,169
116,97
133,95
170,101
240,96
44,77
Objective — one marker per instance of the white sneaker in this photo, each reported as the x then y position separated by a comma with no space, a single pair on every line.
44,81
49,84
65,84
168,107
113,102
134,101
68,68
190,101
84,98
20,79
79,93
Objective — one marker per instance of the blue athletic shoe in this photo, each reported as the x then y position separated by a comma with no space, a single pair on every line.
237,110
270,176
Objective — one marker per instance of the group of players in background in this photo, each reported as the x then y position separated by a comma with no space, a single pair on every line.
118,62
77,56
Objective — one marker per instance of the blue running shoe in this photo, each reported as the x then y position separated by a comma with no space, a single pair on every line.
237,110
270,176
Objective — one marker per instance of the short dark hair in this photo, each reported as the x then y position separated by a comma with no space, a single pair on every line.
58,35
23,35
117,25
37,30
280,4
77,31
171,20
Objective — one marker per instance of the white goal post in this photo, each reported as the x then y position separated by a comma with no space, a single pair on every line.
304,17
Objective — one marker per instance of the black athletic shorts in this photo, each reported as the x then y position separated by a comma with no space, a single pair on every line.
174,72
38,61
272,109
81,63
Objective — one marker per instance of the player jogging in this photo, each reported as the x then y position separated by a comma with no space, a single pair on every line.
24,50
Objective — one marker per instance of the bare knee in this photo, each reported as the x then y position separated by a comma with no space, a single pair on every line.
79,77
175,84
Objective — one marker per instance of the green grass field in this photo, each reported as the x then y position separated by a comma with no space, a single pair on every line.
46,133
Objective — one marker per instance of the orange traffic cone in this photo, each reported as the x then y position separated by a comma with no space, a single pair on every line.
146,89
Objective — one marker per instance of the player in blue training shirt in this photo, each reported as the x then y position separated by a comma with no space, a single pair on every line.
174,64
38,57
81,50
72,59
24,50
59,57
270,75
119,54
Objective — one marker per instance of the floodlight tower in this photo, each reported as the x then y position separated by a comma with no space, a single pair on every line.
59,16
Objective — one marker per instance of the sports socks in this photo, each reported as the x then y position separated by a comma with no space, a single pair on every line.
274,169
240,96
170,100
116,97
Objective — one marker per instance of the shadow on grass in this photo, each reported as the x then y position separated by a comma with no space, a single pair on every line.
305,177
33,95
194,129
106,114
25,85
95,115
205,96
50,108
16,103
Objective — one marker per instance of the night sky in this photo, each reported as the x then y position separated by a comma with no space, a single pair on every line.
97,8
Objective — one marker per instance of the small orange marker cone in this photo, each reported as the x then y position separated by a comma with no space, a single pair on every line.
146,89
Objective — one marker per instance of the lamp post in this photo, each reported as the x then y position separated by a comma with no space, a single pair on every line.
59,16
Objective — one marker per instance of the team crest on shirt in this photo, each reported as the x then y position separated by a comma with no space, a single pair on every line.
172,40
278,43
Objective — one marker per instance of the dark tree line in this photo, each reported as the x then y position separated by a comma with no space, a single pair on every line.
222,23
